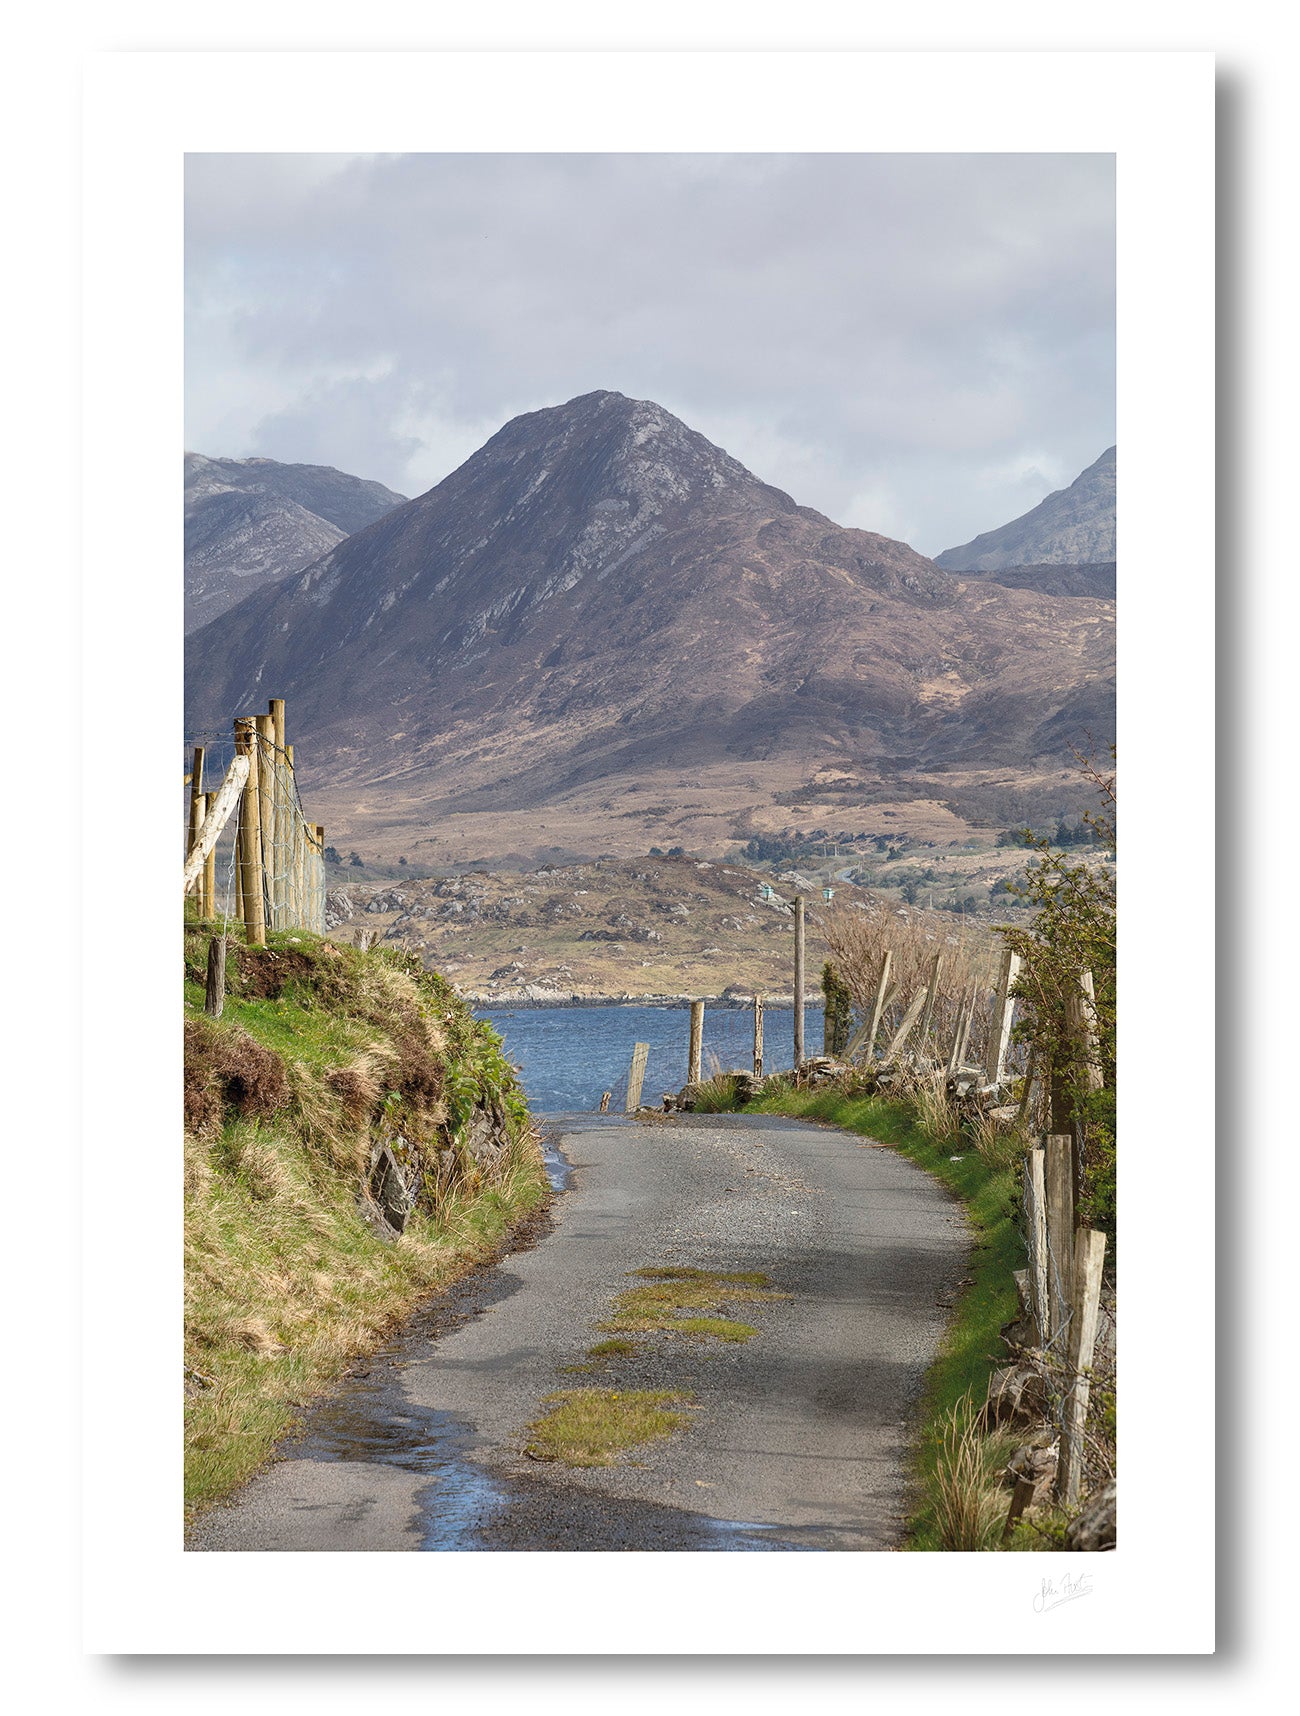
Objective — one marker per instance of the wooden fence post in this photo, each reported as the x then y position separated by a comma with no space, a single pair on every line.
798,979
1081,1015
758,1036
970,1021
1059,1183
932,988
636,1076
250,836
695,1053
196,793
215,997
909,1019
210,869
878,1007
1036,1244
198,812
318,882
1023,1110
269,811
1000,1024
1089,1252
954,1057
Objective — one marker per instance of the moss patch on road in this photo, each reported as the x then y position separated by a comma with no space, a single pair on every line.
590,1426
702,1293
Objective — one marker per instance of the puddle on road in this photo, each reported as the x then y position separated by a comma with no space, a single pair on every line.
367,1424
732,1534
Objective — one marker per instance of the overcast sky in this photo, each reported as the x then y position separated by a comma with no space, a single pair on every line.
921,345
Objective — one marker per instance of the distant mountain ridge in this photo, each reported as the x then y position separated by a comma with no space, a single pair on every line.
249,522
606,628
1071,527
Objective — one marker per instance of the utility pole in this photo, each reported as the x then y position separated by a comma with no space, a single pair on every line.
798,980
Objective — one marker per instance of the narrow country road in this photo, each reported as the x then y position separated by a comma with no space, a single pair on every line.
796,1440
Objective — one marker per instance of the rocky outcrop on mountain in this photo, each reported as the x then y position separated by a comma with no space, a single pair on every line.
249,522
1072,527
600,598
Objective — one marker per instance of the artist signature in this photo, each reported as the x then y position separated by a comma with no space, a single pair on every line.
1054,1592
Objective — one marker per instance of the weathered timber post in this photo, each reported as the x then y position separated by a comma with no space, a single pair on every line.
798,979
297,848
904,1030
1081,1015
196,793
265,725
1021,1497
318,881
1089,1251
1036,1243
878,1008
636,1076
932,988
215,997
1004,1007
969,1025
1059,1185
954,1057
1023,1110
281,844
250,836
198,811
695,1053
758,1036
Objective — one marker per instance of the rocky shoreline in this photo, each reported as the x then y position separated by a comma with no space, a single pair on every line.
536,995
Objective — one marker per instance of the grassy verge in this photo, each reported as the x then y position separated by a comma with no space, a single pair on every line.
985,1184
323,1053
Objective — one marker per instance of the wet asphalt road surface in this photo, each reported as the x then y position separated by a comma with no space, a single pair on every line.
797,1439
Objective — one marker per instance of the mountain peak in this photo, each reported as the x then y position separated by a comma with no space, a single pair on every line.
1070,527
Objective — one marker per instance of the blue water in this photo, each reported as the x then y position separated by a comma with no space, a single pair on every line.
569,1055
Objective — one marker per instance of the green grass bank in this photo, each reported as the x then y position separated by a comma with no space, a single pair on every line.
332,1075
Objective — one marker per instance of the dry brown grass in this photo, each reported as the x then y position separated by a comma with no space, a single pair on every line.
970,1500
859,939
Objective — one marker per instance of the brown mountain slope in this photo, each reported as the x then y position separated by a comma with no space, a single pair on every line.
601,614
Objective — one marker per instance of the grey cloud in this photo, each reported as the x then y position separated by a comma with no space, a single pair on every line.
899,341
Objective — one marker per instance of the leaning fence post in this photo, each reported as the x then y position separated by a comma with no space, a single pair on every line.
932,988
1000,1024
904,1030
758,1036
1059,1179
958,1035
879,1006
250,835
1089,1251
635,1077
1036,1243
695,1053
